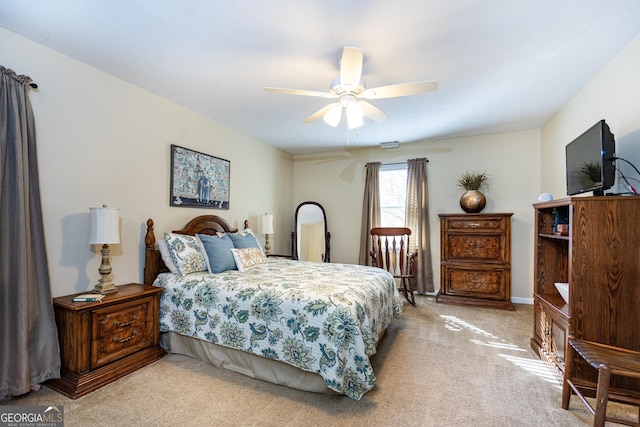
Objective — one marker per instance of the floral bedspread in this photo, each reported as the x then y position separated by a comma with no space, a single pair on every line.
320,317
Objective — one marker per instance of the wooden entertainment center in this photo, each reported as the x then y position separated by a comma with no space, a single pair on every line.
599,257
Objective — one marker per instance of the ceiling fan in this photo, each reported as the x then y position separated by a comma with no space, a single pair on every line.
351,93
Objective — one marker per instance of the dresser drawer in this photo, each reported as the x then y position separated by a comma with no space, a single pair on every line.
475,224
487,283
480,248
120,330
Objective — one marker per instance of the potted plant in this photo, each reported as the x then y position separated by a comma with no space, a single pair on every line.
473,200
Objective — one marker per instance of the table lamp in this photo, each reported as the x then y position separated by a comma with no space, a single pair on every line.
265,226
105,230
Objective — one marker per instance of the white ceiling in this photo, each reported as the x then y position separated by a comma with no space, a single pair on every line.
501,65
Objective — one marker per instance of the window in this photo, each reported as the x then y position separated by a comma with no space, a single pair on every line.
393,194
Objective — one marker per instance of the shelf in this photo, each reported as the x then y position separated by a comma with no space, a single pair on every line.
555,302
553,236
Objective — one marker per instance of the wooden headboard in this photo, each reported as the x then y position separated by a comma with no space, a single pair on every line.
203,224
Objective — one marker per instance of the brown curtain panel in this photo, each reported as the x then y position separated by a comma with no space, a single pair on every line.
417,219
29,351
370,211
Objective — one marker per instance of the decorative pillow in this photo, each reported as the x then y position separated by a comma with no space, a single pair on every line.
218,250
185,252
244,239
204,256
248,258
166,256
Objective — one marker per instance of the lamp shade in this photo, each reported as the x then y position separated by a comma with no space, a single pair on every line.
105,225
354,115
265,224
332,117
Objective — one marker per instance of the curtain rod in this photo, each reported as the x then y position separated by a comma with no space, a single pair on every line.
21,79
395,164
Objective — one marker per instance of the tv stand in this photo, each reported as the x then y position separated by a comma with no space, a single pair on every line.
598,258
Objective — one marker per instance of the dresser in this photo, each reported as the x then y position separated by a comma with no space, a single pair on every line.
475,260
101,341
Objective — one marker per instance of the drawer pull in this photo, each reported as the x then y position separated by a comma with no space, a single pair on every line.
474,225
125,324
123,340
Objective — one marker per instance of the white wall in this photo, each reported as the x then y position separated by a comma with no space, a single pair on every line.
522,165
336,180
102,140
613,95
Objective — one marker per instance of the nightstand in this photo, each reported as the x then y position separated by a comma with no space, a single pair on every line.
102,341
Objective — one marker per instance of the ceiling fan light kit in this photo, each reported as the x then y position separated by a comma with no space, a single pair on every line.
332,117
350,92
354,112
354,115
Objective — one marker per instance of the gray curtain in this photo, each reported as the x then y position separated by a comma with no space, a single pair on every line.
29,351
417,219
370,211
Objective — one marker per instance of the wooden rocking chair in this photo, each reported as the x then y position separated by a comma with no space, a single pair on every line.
390,251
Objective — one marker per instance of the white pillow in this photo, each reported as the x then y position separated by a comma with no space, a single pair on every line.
186,253
166,256
248,258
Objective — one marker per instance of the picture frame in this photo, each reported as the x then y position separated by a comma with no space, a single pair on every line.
199,180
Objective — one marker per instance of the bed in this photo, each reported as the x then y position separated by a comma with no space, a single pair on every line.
305,325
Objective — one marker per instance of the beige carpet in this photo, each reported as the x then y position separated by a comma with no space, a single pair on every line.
440,365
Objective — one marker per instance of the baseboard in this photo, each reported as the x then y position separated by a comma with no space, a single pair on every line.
517,300
514,300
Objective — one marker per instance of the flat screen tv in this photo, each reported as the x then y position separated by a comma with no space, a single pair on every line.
591,164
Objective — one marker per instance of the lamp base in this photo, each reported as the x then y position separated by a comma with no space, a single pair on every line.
105,284
105,288
267,248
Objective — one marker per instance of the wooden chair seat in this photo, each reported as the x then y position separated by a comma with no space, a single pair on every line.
390,250
608,361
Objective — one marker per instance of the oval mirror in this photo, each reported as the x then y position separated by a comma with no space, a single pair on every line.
310,239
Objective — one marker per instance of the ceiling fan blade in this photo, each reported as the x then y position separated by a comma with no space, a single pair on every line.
300,92
374,113
351,66
402,89
320,113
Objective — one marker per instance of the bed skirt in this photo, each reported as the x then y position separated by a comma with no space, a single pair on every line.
251,365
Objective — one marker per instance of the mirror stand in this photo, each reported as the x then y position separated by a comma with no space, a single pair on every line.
310,239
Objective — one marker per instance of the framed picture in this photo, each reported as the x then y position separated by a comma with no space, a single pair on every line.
199,180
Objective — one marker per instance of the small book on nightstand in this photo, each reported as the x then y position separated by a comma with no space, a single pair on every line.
88,297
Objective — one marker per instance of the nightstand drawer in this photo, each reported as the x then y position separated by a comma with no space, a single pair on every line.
120,330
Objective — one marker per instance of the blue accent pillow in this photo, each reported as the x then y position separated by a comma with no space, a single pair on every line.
218,251
243,241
